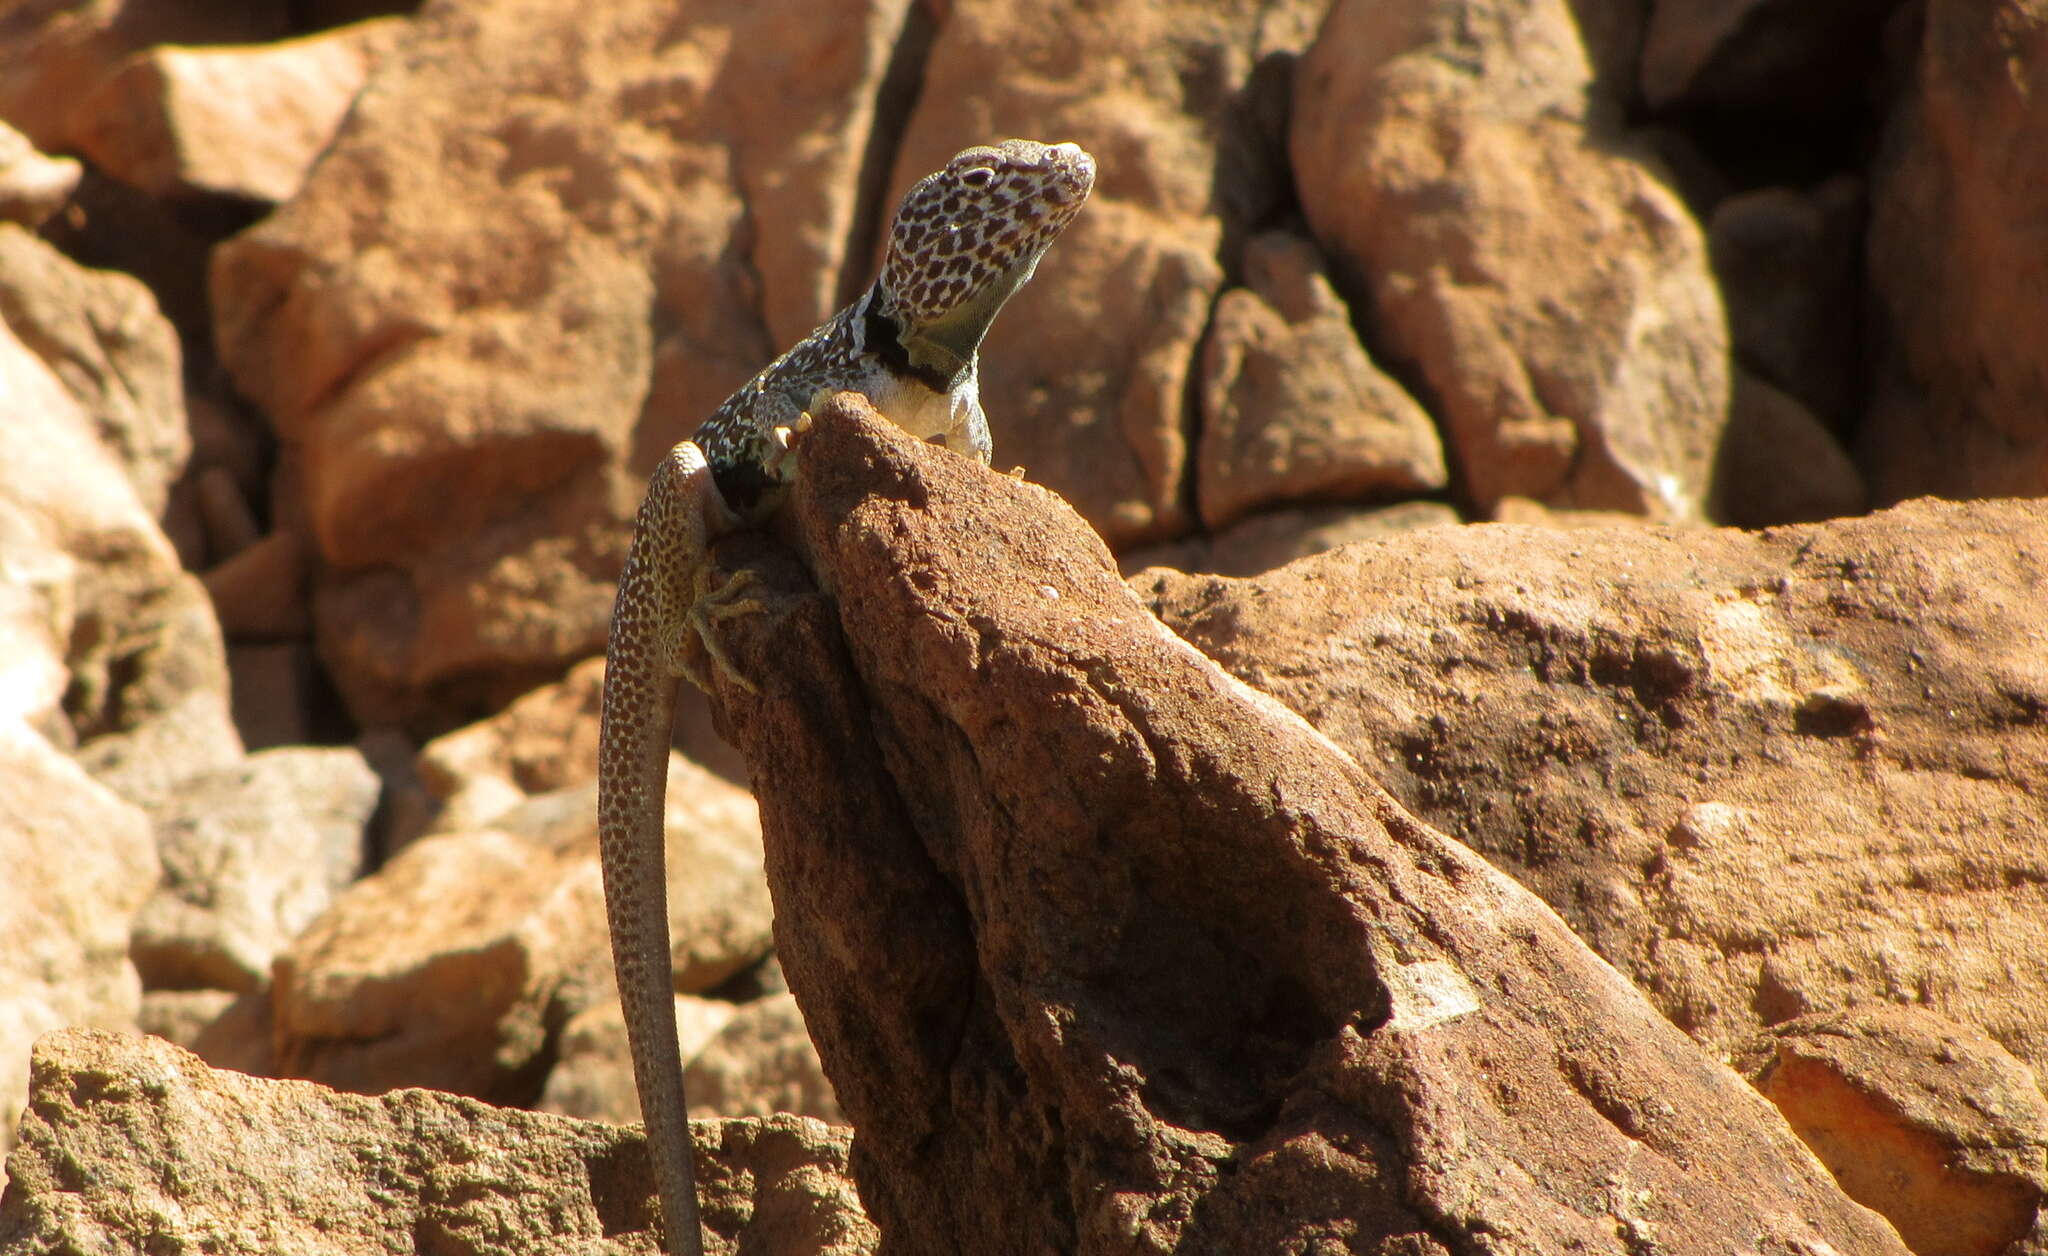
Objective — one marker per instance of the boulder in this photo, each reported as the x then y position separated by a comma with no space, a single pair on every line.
132,1144
1518,254
1765,774
1105,951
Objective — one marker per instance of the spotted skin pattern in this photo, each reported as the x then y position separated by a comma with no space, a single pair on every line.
963,241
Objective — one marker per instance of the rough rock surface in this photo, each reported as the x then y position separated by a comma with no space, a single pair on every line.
1292,407
1956,264
1926,1121
133,1145
237,121
458,962
1106,952
251,854
1516,250
1764,774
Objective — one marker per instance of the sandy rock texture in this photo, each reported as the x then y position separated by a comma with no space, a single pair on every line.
1765,774
135,1145
1216,991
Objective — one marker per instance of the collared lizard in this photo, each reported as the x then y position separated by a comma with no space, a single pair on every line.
963,241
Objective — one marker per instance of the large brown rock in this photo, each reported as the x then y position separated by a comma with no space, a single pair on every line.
132,1145
243,121
1292,407
1106,952
1957,262
1764,774
1517,251
57,51
546,243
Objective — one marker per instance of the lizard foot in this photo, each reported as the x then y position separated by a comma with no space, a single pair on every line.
709,608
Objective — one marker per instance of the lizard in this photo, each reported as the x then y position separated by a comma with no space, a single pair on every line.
963,241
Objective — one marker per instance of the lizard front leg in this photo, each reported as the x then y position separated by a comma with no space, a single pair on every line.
659,593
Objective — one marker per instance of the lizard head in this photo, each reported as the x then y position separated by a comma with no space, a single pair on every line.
969,235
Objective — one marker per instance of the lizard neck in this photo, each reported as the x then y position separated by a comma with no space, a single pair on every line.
897,347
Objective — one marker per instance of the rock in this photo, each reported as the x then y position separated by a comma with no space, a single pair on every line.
101,333
1790,267
251,855
79,863
239,1038
1292,408
260,592
278,693
1780,464
1958,405
1107,952
1521,258
57,53
457,963
239,121
123,654
1926,1121
182,1016
545,741
1264,542
761,1062
1792,60
593,1075
1091,363
544,245
32,186
1635,721
133,1145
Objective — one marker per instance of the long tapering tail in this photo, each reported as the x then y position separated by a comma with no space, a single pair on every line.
640,680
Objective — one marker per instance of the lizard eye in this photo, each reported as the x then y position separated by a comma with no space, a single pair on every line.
978,177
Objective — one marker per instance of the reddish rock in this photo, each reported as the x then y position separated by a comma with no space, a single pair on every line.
57,53
242,121
1764,774
1519,254
1264,542
1106,952
1292,408
1926,1121
1959,404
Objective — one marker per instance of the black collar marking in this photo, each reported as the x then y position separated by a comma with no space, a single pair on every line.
884,339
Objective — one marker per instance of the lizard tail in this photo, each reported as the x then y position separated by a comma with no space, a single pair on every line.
640,684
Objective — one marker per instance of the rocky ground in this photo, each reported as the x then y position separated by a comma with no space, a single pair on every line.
1591,441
